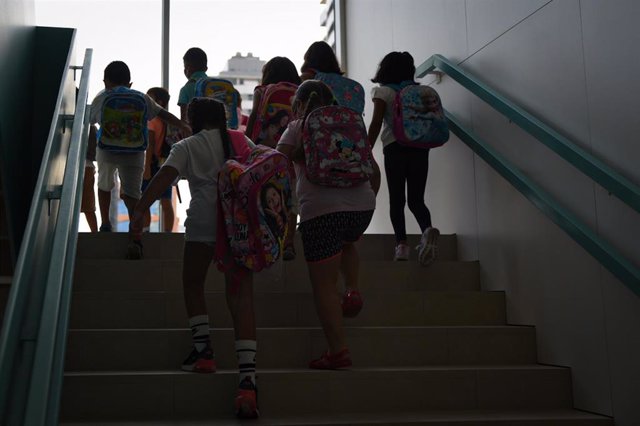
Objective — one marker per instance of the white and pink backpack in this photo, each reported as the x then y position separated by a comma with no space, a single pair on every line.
418,117
337,152
254,199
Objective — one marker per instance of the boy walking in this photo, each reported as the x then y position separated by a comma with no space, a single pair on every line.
129,165
195,68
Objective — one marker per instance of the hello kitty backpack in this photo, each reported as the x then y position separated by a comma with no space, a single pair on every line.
337,152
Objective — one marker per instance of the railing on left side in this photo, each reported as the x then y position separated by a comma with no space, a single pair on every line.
33,340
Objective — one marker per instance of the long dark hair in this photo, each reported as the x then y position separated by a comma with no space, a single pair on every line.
210,113
279,69
395,68
320,57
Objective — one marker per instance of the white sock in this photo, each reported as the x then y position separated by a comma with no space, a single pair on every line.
246,352
200,331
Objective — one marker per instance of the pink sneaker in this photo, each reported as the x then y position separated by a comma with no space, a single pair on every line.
329,361
351,303
247,400
402,252
428,247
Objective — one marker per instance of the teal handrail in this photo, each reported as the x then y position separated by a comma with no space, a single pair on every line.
626,191
32,344
602,174
609,257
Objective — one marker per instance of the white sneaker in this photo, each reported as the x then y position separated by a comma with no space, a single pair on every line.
402,252
428,247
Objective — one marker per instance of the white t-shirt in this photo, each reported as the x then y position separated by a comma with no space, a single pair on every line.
388,95
317,200
198,158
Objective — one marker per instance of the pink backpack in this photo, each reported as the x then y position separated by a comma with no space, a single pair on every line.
274,113
254,199
337,152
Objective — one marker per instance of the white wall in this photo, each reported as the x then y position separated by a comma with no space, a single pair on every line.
574,64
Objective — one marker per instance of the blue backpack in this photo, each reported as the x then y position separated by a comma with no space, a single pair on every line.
123,126
348,93
222,90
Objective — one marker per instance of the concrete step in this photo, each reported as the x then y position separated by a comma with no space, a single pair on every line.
160,309
169,246
561,417
294,347
381,276
161,395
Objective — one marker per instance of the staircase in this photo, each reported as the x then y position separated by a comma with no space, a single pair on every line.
429,347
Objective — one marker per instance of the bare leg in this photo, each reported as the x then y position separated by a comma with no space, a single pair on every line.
147,220
239,293
350,266
92,220
168,215
291,229
324,278
104,200
196,260
130,202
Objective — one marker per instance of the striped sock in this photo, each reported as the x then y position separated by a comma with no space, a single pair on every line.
246,352
200,331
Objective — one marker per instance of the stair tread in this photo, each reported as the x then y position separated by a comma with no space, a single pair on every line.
306,371
465,416
303,328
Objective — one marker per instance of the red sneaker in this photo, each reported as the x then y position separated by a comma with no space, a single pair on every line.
247,400
200,362
329,361
351,303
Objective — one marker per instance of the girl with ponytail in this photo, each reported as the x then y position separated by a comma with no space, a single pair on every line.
198,158
331,220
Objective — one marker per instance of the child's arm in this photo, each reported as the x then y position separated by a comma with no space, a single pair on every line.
254,113
379,107
183,112
169,118
148,155
160,182
286,150
307,75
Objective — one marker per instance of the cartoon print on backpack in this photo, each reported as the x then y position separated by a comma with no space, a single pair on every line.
336,149
223,91
124,121
273,205
274,128
252,231
347,153
419,118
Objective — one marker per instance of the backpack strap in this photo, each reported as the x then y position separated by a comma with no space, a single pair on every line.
239,145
